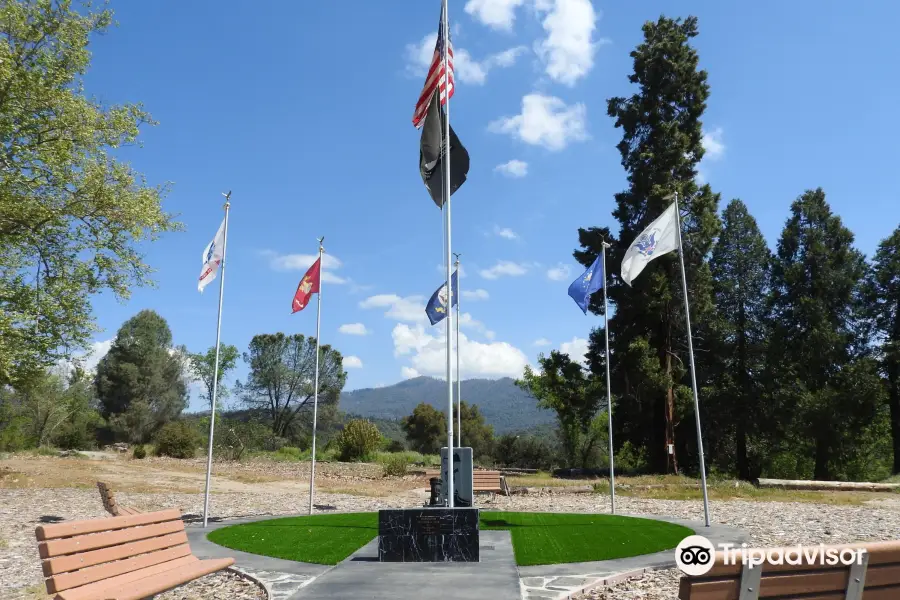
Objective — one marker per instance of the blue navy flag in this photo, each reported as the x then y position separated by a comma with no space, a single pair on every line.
591,281
436,309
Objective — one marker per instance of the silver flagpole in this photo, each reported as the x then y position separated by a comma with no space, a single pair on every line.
458,378
612,468
312,471
447,251
687,319
212,412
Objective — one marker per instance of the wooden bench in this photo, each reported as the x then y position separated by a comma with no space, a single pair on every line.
109,502
483,482
877,578
120,558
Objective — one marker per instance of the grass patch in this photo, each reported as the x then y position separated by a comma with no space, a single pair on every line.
318,539
537,538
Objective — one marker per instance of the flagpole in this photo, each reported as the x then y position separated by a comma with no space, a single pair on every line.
215,390
612,468
312,471
458,378
447,249
687,318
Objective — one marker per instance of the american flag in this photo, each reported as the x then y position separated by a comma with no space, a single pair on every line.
435,77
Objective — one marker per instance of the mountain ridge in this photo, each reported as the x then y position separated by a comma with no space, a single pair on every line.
504,405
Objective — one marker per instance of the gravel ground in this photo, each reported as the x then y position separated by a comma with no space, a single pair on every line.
768,523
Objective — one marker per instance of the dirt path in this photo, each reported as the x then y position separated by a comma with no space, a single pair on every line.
188,476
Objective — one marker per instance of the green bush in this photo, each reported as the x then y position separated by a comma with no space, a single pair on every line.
395,446
139,452
395,466
177,439
358,440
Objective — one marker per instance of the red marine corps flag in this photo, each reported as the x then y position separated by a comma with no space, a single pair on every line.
309,285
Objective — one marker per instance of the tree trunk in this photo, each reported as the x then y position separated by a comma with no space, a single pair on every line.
671,459
741,412
893,372
822,455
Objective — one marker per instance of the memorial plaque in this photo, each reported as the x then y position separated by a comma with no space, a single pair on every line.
428,535
462,477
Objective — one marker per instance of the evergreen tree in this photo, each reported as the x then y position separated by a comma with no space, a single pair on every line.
140,382
883,303
819,375
740,266
661,147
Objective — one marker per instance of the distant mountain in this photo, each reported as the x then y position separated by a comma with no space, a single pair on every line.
504,405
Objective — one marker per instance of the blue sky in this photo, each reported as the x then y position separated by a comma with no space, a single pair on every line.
303,110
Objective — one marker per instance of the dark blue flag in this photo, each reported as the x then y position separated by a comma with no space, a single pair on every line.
591,281
437,305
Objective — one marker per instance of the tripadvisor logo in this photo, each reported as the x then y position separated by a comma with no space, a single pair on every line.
695,555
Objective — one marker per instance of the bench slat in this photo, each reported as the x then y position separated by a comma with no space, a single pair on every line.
62,564
879,553
90,591
149,586
107,571
94,541
62,530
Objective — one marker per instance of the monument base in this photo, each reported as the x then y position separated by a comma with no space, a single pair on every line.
437,534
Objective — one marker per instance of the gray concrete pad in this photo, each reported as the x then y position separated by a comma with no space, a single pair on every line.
715,533
363,576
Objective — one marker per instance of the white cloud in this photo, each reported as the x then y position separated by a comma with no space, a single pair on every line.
545,121
568,50
354,329
513,168
466,68
559,272
410,308
542,342
352,362
478,294
408,372
713,144
504,267
576,349
87,360
428,354
505,232
496,14
302,262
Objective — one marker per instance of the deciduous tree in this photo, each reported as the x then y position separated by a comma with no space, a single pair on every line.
73,216
203,366
281,380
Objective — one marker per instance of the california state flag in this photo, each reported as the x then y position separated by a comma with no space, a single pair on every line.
309,285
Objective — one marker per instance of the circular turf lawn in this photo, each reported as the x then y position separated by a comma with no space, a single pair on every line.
537,538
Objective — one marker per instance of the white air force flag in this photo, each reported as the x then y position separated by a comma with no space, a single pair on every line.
660,237
212,258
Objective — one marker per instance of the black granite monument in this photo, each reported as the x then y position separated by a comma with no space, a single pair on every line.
437,534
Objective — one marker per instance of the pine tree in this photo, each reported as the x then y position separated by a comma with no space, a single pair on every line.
661,147
740,266
883,304
140,382
819,373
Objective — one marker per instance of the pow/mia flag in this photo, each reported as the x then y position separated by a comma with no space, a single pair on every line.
438,305
432,151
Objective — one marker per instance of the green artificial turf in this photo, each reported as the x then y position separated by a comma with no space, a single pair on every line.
537,538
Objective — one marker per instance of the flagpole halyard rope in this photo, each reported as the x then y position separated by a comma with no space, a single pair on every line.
312,470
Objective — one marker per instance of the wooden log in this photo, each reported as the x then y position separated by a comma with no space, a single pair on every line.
846,486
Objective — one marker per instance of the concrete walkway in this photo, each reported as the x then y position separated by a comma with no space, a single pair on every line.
362,576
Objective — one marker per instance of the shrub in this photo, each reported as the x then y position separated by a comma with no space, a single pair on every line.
395,466
139,452
177,439
358,440
395,446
